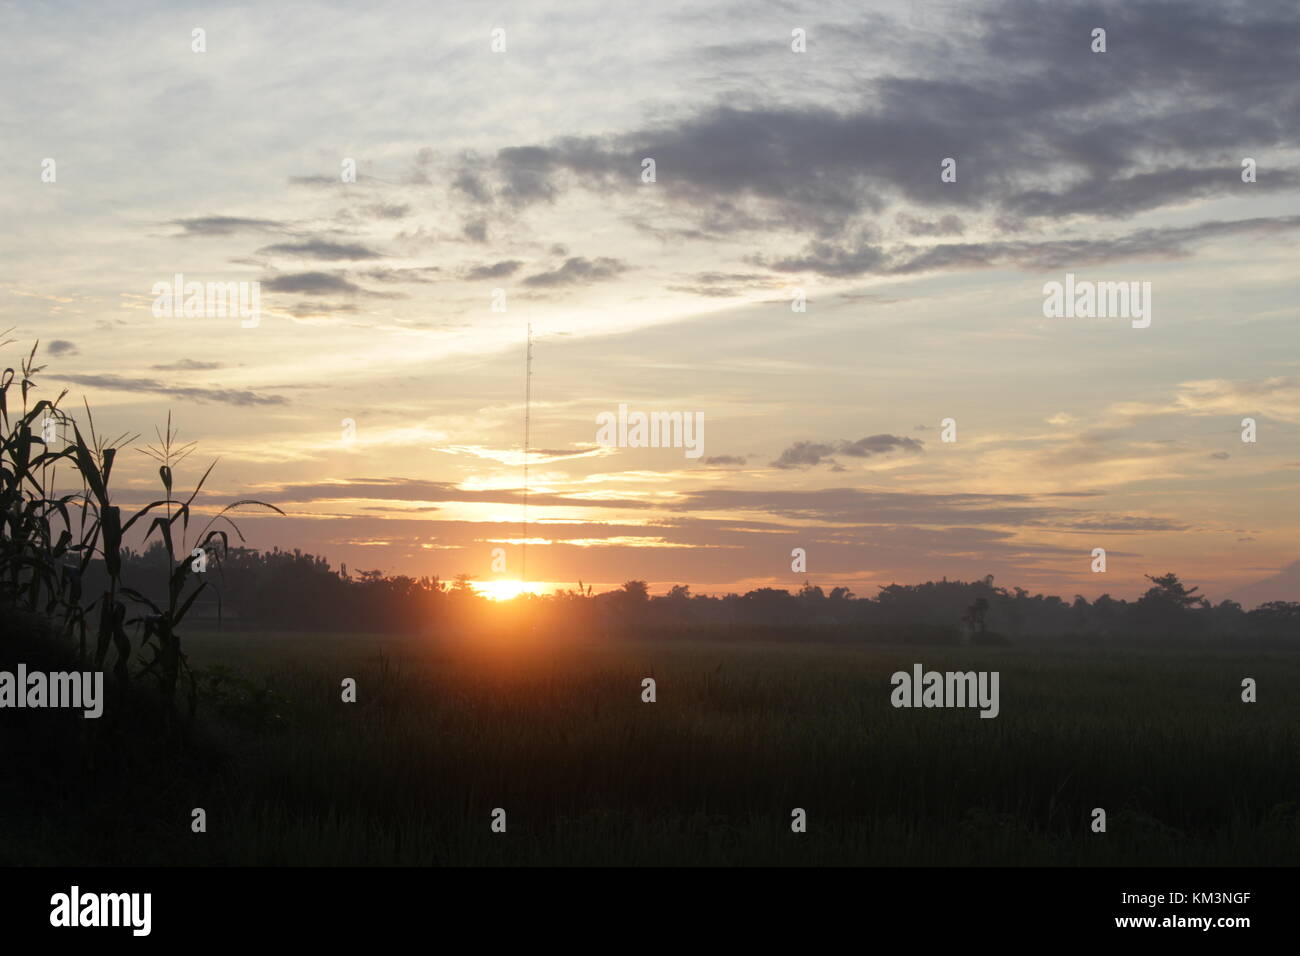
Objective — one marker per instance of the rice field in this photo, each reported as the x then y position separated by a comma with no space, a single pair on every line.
442,734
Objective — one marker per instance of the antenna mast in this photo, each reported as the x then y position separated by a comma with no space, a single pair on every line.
528,406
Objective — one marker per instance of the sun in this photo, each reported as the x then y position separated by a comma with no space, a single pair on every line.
504,589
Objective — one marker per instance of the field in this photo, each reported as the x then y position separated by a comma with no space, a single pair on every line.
740,735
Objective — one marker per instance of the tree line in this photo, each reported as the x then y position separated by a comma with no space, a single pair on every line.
294,590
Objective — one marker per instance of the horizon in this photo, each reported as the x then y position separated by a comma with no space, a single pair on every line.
503,588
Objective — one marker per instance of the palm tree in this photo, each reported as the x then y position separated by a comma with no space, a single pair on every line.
974,616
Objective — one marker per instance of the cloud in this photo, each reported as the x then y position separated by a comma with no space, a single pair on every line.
320,249
724,461
1282,586
1041,129
879,445
61,347
307,310
578,271
835,507
311,283
498,270
187,365
948,225
858,507
1120,198
860,256
525,171
1277,398
1167,242
808,454
224,396
421,274
834,259
411,489
225,225
385,211
469,184
724,285
561,452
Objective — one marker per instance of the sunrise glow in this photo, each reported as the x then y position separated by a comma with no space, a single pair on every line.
507,589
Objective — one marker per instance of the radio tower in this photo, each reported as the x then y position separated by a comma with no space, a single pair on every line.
528,405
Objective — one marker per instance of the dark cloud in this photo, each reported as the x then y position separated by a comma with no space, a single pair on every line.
807,454
226,225
558,452
422,274
879,445
187,365
964,535
1122,524
578,271
320,249
307,310
469,184
832,506
730,278
834,259
61,347
1041,129
311,283
1169,242
708,291
224,396
857,507
863,258
1119,198
524,172
498,270
724,461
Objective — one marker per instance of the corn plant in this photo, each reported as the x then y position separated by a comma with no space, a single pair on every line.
45,553
161,639
33,569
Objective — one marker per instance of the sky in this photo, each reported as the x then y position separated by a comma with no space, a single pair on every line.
500,183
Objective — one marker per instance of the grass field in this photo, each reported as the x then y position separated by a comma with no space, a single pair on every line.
587,773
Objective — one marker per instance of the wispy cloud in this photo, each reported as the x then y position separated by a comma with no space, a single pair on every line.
224,396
